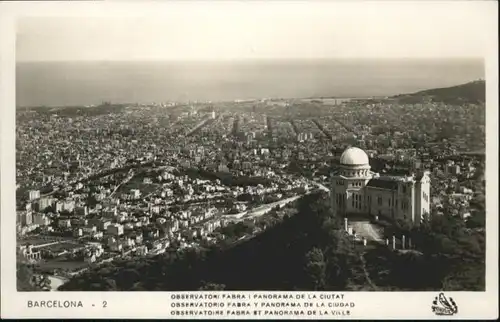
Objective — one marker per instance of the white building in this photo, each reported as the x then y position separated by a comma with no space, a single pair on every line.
90,229
104,224
69,205
44,203
135,193
34,194
64,223
28,252
355,190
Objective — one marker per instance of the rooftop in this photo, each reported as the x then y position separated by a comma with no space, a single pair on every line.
383,183
354,156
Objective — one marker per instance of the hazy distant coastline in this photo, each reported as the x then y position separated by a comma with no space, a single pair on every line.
92,82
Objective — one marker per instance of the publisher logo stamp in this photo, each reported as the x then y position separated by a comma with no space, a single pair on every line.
444,306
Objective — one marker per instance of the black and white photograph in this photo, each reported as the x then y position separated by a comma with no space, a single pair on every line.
231,150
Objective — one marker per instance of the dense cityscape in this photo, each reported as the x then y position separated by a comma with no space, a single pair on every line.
119,183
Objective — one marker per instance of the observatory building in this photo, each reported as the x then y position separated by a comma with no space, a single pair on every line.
355,190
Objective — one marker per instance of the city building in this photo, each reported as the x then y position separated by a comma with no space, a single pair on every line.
115,229
355,190
44,203
34,194
25,218
29,253
64,223
82,211
41,219
452,168
78,232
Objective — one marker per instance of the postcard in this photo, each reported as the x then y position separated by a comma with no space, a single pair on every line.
249,160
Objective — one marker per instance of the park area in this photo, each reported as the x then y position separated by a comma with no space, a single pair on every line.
138,183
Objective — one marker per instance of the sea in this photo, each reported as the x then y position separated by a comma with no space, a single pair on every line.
93,82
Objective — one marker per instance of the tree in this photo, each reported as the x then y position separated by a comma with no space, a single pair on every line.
24,278
27,280
229,203
42,282
175,209
138,287
65,213
458,256
245,197
342,257
316,268
126,278
477,220
49,209
209,286
403,227
91,201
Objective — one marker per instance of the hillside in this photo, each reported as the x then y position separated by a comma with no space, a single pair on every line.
284,257
469,93
306,251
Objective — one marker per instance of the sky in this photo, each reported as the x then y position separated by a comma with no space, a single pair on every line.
255,30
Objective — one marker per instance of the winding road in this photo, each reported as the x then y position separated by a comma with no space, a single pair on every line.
56,281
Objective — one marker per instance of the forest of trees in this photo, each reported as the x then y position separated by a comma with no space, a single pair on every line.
448,255
29,281
308,251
